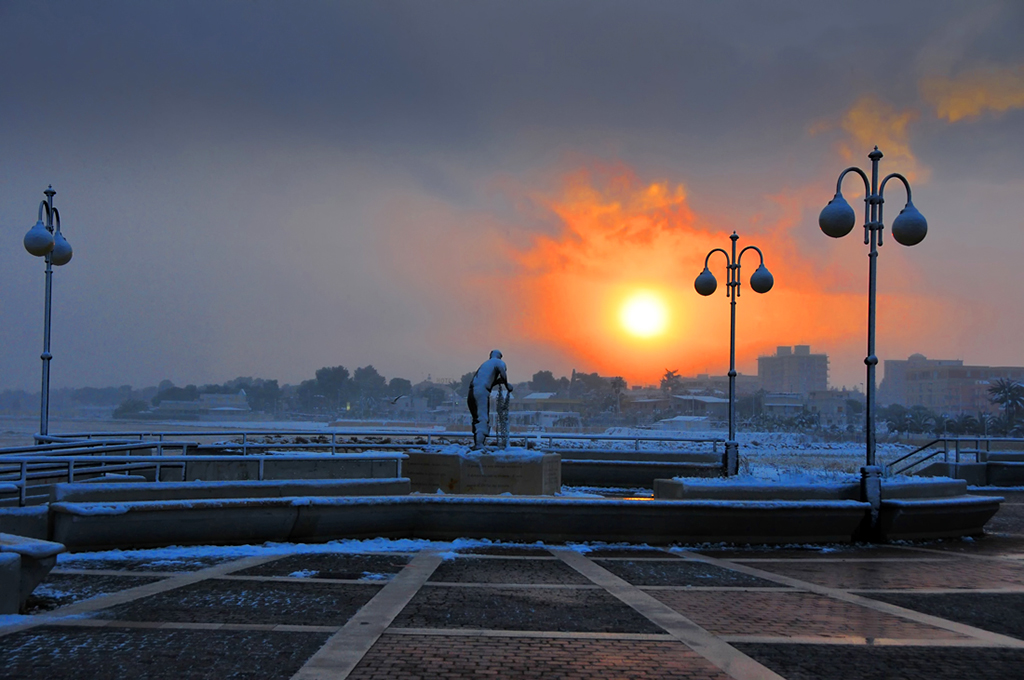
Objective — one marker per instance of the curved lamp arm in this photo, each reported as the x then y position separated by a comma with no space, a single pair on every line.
867,195
728,264
44,206
881,195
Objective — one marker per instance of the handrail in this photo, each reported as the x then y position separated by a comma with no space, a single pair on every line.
18,470
945,450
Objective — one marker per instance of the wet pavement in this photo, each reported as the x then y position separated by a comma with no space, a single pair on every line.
935,610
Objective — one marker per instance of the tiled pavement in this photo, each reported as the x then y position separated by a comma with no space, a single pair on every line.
952,609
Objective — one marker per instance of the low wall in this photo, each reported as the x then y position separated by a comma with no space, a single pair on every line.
620,473
90,492
89,526
340,467
527,474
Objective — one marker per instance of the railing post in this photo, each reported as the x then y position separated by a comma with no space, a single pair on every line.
245,450
958,450
334,443
261,469
945,451
71,470
24,482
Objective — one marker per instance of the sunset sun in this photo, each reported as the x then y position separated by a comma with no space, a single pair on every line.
644,315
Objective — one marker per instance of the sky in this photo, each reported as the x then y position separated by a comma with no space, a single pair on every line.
261,189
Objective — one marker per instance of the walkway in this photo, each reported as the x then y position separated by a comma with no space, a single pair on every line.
939,610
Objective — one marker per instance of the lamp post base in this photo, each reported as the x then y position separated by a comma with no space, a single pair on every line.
732,458
871,492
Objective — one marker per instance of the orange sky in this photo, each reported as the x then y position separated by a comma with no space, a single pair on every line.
620,235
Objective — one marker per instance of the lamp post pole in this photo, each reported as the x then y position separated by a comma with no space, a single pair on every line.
909,228
761,281
45,240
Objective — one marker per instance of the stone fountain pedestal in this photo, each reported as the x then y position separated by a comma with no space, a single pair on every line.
459,470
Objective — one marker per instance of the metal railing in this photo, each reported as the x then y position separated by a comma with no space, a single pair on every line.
951,448
20,471
350,439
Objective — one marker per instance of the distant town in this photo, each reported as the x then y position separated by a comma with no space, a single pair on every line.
791,392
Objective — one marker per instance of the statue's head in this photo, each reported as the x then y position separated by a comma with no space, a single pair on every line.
495,354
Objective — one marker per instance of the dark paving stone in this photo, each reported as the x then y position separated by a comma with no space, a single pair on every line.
58,653
863,662
639,551
430,657
1010,518
312,604
181,564
59,590
572,610
856,551
496,570
507,551
1000,613
681,573
339,566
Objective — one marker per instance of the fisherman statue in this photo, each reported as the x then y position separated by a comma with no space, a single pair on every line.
492,372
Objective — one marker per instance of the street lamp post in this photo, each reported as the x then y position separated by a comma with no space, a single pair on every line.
761,281
45,240
909,228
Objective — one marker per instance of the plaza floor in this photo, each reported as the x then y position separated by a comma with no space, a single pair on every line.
936,610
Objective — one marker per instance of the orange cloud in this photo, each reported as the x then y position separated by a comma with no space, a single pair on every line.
972,93
872,122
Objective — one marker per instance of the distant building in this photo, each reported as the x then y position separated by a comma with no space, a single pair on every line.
942,385
783,404
793,370
832,406
207,407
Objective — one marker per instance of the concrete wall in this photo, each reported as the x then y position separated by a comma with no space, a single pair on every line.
87,526
484,474
157,491
244,469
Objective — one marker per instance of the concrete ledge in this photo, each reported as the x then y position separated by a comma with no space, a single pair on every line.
87,526
615,473
526,473
632,456
1005,473
340,467
156,491
10,583
695,490
923,488
36,559
919,519
32,521
1006,457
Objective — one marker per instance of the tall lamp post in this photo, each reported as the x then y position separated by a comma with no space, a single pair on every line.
909,228
761,281
45,240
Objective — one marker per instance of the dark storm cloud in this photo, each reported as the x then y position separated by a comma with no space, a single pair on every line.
225,166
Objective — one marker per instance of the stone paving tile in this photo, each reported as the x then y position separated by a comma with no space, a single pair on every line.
809,552
59,590
574,610
497,570
213,601
61,653
182,564
681,573
326,565
1000,613
962,573
431,657
864,662
790,614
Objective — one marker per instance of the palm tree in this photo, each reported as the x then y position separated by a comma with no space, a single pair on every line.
1009,394
965,423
